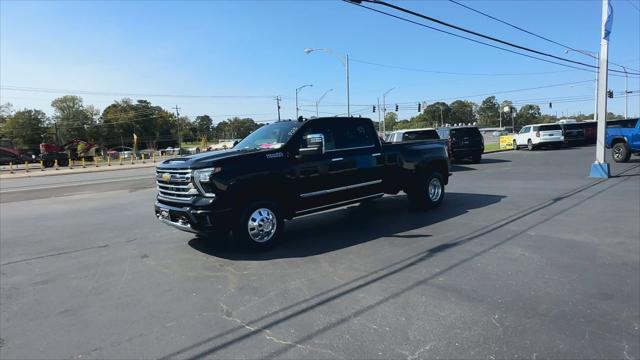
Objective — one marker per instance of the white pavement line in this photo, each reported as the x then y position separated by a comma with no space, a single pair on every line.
77,183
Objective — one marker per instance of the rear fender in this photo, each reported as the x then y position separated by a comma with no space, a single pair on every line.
439,165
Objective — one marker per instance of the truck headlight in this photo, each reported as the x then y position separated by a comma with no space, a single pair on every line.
202,179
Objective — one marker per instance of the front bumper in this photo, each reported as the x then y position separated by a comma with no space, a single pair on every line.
190,219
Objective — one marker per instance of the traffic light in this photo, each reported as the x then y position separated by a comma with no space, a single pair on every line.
419,106
396,107
550,105
374,108
610,94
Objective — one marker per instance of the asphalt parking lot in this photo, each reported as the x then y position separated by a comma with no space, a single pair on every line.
527,258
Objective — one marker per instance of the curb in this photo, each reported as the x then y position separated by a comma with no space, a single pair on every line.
497,151
37,173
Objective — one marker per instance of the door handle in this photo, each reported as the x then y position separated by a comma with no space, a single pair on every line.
337,159
376,154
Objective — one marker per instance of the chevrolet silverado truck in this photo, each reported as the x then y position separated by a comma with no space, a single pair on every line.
293,168
623,138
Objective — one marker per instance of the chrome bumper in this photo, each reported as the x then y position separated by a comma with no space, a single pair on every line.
186,219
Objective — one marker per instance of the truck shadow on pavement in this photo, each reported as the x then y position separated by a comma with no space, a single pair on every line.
345,227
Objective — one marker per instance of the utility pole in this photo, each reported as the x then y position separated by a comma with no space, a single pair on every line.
177,109
626,92
379,123
600,168
278,99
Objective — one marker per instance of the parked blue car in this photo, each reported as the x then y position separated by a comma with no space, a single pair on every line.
623,137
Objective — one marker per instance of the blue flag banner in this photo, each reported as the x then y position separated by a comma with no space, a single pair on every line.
609,23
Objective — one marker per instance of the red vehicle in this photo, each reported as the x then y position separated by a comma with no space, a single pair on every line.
9,153
75,149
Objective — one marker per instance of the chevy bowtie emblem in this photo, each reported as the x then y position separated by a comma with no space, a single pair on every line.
166,177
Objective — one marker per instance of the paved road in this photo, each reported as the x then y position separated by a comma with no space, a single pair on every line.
526,258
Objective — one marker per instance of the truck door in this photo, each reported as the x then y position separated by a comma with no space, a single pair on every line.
356,163
310,178
350,168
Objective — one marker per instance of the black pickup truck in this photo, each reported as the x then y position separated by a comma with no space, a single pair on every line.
293,168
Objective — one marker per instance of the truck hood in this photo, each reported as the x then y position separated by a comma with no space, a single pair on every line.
204,159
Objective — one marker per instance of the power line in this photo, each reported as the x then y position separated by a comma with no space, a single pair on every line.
468,74
454,73
87,92
634,5
519,28
474,33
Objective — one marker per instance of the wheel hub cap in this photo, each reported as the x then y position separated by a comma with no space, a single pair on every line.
617,153
262,225
435,189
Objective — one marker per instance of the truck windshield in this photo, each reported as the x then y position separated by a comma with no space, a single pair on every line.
271,136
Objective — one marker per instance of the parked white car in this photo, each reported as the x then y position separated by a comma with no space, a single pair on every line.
538,135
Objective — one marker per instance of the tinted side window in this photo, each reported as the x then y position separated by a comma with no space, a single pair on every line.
524,130
324,129
351,134
550,127
420,135
466,132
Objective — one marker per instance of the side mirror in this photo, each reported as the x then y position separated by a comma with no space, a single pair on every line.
315,145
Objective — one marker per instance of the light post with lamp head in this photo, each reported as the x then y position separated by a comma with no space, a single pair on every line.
320,99
345,62
297,91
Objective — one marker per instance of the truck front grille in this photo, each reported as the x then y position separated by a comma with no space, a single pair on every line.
175,184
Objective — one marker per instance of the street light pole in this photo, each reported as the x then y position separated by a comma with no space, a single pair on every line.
297,91
596,57
345,62
321,97
384,109
346,66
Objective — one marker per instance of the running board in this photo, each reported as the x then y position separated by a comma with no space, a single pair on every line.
338,204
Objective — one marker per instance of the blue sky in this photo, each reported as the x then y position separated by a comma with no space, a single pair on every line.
255,48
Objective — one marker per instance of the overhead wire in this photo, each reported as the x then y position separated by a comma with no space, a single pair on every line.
459,28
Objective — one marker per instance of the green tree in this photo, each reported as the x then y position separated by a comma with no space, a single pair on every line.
390,120
436,114
25,128
462,111
528,114
153,126
488,112
235,128
6,111
204,125
73,119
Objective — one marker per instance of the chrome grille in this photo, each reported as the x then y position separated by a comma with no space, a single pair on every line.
175,184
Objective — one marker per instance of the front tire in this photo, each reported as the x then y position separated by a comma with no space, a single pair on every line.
427,192
476,158
620,152
515,145
259,226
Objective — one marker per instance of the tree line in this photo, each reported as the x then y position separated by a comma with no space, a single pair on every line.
487,114
153,126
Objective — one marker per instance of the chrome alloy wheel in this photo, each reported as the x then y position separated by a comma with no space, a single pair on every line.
435,189
262,225
617,153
